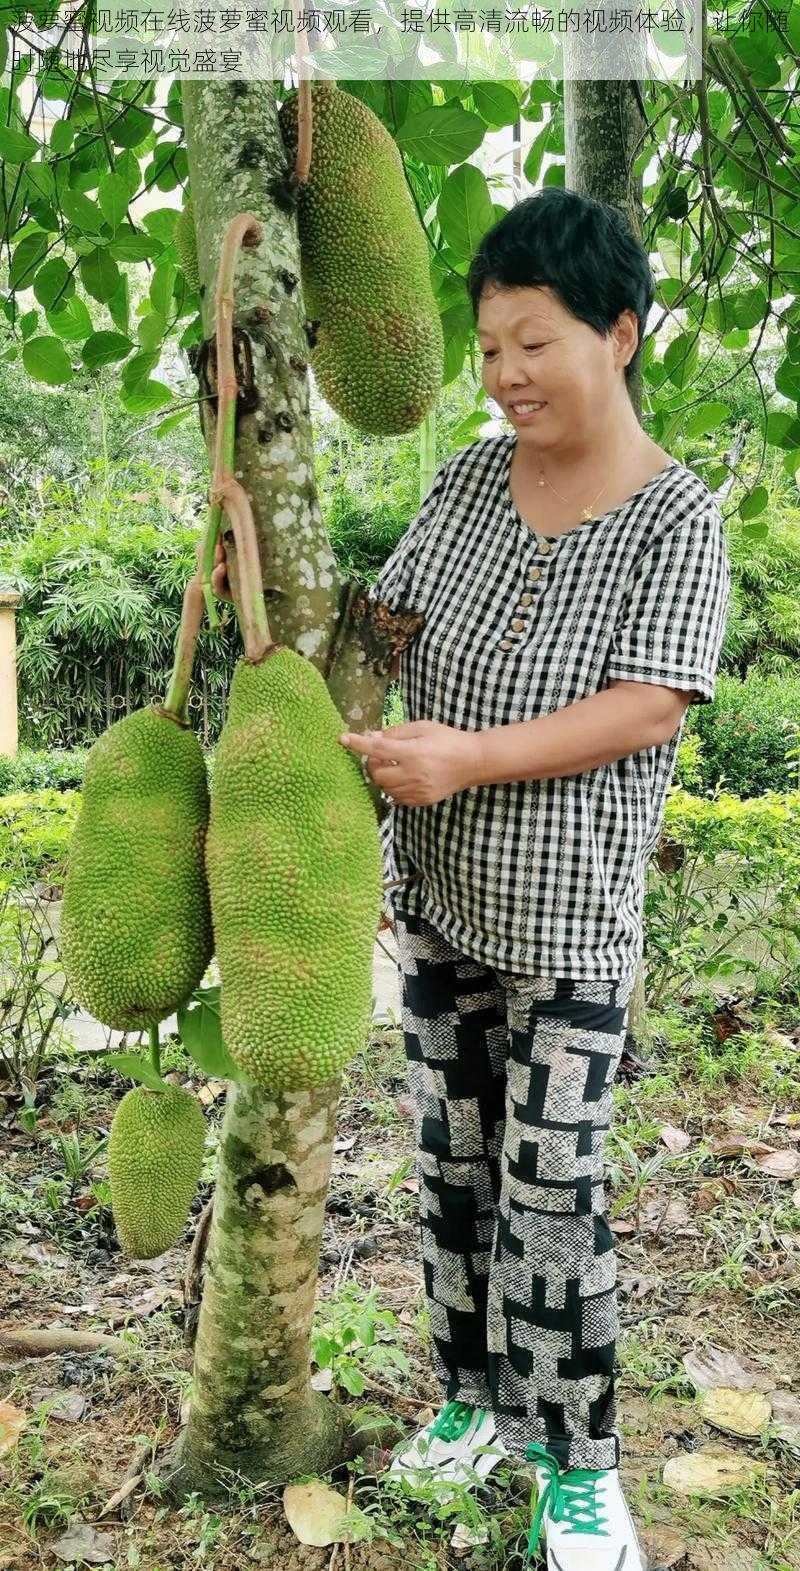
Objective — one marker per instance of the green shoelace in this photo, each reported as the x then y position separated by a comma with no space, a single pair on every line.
570,1497
454,1419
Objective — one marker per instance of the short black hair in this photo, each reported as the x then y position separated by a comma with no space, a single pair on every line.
585,250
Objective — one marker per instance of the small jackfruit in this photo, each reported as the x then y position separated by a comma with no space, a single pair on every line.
379,355
155,1157
294,867
186,245
136,932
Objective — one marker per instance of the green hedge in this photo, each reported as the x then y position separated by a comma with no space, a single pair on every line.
58,769
35,831
746,733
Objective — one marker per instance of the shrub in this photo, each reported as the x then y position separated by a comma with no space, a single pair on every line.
60,769
746,734
35,831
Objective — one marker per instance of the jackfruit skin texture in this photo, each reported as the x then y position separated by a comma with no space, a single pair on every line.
295,871
379,355
136,933
186,245
155,1157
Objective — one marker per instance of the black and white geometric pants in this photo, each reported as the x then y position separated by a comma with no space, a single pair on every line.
510,1078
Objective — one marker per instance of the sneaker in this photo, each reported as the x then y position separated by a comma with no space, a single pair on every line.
587,1524
449,1446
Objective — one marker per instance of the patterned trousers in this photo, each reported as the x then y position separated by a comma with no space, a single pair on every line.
510,1079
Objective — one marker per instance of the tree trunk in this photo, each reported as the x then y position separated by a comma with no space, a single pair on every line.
252,1405
602,130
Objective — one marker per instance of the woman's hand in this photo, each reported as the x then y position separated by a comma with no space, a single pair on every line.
418,764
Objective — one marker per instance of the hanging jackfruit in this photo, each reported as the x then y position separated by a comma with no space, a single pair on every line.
294,868
136,932
186,244
379,355
155,1157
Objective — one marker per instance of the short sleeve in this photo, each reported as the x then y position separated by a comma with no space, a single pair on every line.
394,581
673,620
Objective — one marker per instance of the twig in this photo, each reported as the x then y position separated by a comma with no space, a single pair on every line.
194,1266
349,1504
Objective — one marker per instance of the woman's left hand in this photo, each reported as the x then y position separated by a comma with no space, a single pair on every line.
420,763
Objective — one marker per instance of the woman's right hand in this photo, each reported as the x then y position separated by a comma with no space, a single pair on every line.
219,572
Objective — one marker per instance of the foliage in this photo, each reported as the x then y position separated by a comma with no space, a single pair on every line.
56,769
746,735
33,997
723,895
351,1337
763,628
35,831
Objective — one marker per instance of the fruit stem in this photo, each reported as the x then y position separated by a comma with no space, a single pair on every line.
243,230
155,1048
177,699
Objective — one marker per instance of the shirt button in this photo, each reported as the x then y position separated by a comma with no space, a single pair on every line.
518,625
544,547
506,643
533,574
524,600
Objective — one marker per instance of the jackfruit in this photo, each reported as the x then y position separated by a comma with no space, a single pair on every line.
295,872
379,354
155,1157
136,932
186,245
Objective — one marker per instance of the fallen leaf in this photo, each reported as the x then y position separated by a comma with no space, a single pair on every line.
713,1471
783,1165
735,1145
82,1545
792,1120
621,1228
67,1406
713,1368
319,1515
664,1547
744,1413
322,1380
665,1215
786,1419
465,1538
12,1423
674,1139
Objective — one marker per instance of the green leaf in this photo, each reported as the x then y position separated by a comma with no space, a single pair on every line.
151,330
53,281
162,286
758,530
104,348
112,196
445,135
754,502
134,1067
132,128
680,359
783,429
201,1034
85,215
16,147
456,327
787,379
128,246
26,258
750,307
351,1379
71,323
99,274
46,360
146,397
465,209
669,251
468,428
704,419
496,104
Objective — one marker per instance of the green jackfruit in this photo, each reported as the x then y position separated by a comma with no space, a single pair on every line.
379,355
186,245
155,1157
294,868
136,932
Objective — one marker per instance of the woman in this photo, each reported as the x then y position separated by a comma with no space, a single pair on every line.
574,581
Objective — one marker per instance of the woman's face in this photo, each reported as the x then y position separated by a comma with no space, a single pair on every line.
534,350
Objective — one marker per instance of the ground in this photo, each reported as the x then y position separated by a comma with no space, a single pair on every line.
709,1258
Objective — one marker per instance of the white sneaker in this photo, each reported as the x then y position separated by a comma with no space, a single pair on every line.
450,1447
587,1524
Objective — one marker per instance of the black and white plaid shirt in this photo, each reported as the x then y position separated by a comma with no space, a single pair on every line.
547,876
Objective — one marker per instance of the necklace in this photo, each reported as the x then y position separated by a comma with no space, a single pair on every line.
586,515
